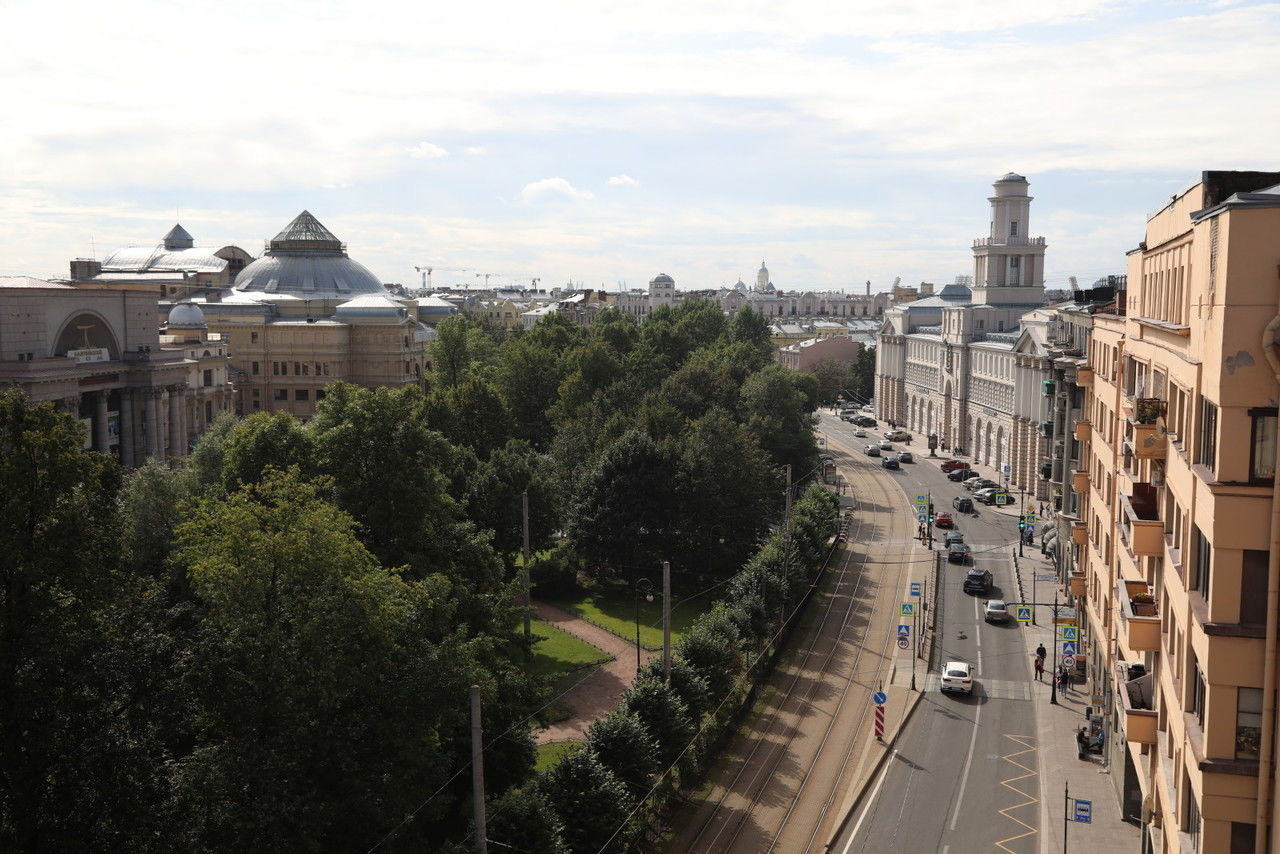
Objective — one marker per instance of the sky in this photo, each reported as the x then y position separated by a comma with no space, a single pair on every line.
842,141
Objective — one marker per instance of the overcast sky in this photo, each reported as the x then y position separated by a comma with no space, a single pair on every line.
605,142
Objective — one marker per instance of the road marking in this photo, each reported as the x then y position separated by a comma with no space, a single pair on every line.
964,776
1006,783
866,808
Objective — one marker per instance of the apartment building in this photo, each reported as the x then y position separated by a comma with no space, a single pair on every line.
1177,550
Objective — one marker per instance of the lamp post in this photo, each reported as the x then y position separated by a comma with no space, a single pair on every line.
644,587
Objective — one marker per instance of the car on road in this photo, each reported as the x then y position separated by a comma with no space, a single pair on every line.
905,457
898,435
954,465
944,520
868,409
953,537
978,581
958,553
961,474
860,433
962,504
973,484
957,676
890,462
992,495
873,450
996,611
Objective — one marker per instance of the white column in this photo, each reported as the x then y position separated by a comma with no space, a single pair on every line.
155,436
177,437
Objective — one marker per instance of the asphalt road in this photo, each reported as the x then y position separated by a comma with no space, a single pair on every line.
964,775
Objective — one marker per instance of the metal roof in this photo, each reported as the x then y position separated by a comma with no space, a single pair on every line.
305,232
178,238
158,259
307,261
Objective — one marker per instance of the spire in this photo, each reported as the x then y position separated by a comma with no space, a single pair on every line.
178,238
305,232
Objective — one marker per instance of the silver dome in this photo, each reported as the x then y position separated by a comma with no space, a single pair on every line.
307,261
186,315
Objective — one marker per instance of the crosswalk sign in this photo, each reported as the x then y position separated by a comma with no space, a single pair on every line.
908,609
1069,633
904,631
1023,613
1068,648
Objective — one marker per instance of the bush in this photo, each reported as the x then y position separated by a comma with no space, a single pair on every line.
690,687
590,801
625,747
555,576
664,715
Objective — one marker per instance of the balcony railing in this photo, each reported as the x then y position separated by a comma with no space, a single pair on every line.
1009,241
1078,583
1084,377
1080,482
1140,525
1139,615
1149,441
1137,701
1079,533
1083,430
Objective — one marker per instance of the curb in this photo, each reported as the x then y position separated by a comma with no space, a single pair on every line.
874,770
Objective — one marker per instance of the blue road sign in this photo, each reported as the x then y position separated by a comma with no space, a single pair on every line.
915,588
1084,811
879,698
907,609
904,631
1068,648
922,518
1069,633
1023,613
1008,469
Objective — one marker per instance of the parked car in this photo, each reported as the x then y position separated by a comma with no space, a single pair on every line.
944,520
962,504
958,553
954,465
868,408
957,676
886,445
961,474
996,611
905,457
953,537
978,581
860,433
890,462
898,436
873,450
975,483
865,421
992,495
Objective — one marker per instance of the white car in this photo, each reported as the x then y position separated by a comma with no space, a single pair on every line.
886,445
860,433
996,611
957,676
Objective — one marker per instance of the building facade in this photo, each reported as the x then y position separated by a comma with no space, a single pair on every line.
1178,542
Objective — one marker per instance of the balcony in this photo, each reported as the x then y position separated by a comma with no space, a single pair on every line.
1140,525
1149,441
1084,377
1139,616
1080,482
1078,583
1083,430
1011,240
1137,702
1079,533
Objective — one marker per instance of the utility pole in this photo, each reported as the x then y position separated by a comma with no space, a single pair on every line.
787,547
1066,813
1022,519
666,621
524,575
1053,683
477,772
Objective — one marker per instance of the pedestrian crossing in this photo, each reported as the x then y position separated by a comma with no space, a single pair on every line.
1000,689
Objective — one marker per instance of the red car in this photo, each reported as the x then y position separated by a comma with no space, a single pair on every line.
952,465
943,520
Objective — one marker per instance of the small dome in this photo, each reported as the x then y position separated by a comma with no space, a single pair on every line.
1011,178
763,268
186,315
178,238
662,279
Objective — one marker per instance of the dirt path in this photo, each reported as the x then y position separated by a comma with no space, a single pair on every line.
598,692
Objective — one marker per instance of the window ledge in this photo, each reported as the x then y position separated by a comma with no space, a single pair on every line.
1238,767
1165,326
1234,630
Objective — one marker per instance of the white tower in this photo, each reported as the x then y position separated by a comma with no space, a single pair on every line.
1008,264
762,278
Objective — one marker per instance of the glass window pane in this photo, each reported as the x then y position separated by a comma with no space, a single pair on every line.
1264,447
1248,723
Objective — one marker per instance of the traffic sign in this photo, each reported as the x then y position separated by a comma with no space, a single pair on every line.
1068,661
1031,518
922,518
904,631
1008,468
1023,613
903,643
922,499
1003,499
1084,811
879,698
915,588
1069,632
1068,648
907,609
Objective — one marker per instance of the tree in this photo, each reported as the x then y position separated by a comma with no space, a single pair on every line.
523,820
264,441
751,328
470,413
592,803
494,501
152,502
663,714
776,404
712,647
459,342
626,748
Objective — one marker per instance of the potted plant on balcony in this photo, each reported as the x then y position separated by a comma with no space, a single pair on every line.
1149,409
1143,604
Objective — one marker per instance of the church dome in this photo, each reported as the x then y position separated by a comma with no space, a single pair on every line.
306,260
662,279
186,315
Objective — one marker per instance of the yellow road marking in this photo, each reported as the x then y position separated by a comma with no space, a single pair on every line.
1022,740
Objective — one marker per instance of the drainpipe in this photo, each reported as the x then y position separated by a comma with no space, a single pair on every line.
1266,762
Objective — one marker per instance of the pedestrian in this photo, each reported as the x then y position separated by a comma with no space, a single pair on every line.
1039,668
1064,678
1082,744
1041,652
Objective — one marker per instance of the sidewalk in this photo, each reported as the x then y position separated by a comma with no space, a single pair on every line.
1055,734
598,692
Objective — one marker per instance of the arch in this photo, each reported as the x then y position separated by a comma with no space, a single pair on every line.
1002,455
86,330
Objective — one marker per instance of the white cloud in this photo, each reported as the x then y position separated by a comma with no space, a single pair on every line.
427,151
551,188
475,150
623,181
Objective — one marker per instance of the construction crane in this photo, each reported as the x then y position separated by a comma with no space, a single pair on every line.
532,279
427,271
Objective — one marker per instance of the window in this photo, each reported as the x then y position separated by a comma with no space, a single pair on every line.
275,369
980,324
318,369
302,394
207,379
306,369
319,395
1262,447
208,411
1000,326
1248,722
1253,588
257,404
254,368
1015,262
1197,694
1242,837
1207,447
326,369
1013,228
282,394
1203,561
257,393
253,337
297,369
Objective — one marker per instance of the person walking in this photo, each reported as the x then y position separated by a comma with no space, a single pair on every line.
1039,668
1082,744
1041,652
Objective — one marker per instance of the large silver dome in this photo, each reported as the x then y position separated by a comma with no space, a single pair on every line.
307,261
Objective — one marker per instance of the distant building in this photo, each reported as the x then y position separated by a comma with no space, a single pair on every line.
176,267
805,355
305,314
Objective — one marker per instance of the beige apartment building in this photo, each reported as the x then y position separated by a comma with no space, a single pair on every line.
1178,540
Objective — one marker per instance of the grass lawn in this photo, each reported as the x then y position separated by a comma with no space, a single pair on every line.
612,607
550,753
556,652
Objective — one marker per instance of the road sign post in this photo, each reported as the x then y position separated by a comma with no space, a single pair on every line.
879,723
1084,811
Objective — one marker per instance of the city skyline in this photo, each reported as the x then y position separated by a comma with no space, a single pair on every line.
841,144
